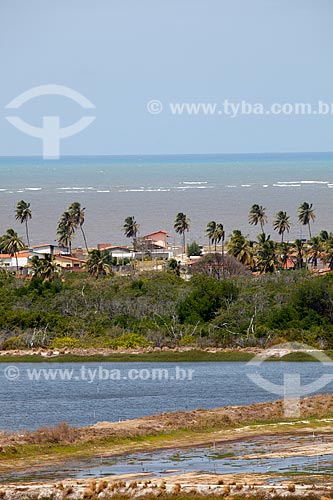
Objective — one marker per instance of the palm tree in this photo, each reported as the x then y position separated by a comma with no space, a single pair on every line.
218,235
11,243
131,229
314,250
36,264
281,223
284,251
44,268
23,214
182,225
298,246
266,256
306,214
257,215
78,214
210,229
324,235
327,245
49,267
174,265
263,238
241,248
66,230
99,263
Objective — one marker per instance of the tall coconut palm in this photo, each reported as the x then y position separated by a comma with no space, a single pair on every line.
218,235
257,215
78,214
181,226
131,229
306,214
23,214
241,248
210,229
99,263
281,223
11,243
66,230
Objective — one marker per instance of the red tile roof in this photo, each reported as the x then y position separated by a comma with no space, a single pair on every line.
157,232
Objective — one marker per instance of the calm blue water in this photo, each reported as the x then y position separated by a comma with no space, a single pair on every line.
27,403
154,189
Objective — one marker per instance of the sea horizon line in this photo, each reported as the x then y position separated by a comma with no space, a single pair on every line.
284,154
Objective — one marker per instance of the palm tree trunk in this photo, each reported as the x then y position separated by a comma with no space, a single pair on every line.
17,269
27,232
84,237
223,257
183,242
331,263
282,236
309,229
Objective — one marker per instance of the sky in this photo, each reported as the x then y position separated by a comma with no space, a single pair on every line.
122,54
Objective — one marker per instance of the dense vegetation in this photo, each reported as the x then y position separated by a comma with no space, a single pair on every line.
162,309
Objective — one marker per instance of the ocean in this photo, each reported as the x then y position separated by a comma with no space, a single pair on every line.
155,188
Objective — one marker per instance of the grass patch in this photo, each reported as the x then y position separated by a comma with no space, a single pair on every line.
303,356
219,456
194,355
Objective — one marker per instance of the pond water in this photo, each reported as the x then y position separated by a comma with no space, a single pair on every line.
42,394
222,458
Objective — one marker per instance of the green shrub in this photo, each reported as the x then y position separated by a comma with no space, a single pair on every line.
207,297
188,340
61,342
14,343
129,341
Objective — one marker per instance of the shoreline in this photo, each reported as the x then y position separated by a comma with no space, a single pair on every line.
224,427
162,431
178,354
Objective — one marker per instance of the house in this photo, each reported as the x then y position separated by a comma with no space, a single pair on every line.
153,249
289,264
120,252
45,249
10,262
69,262
103,246
159,238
